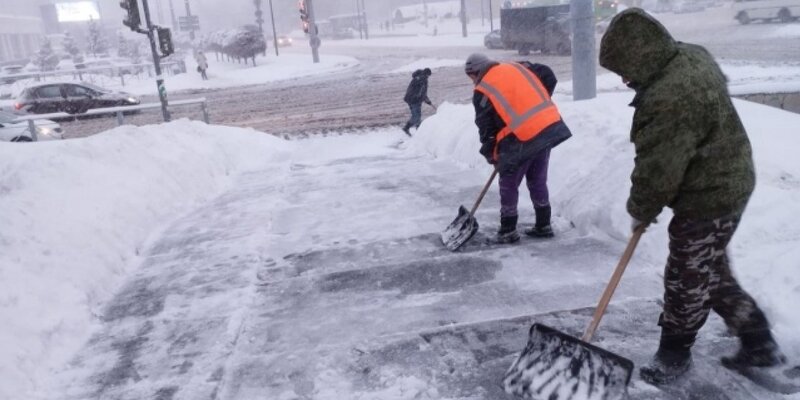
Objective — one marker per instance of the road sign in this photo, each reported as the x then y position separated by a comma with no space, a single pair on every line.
189,23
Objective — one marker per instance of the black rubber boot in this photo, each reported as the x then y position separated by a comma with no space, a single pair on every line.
542,229
758,350
673,358
508,230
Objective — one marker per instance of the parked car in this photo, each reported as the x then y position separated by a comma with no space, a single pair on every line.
73,98
284,41
766,10
493,40
687,6
12,73
111,66
12,131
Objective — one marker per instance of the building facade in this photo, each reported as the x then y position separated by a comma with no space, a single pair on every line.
21,29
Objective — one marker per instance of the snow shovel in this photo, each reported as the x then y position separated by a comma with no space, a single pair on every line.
557,366
465,225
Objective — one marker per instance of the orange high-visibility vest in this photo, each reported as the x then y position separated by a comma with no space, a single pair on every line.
520,99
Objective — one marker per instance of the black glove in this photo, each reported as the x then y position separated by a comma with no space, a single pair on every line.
487,151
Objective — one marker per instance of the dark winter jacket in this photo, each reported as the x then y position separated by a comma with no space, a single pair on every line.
417,91
511,151
692,152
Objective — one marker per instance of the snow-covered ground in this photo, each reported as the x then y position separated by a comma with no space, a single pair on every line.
221,74
82,216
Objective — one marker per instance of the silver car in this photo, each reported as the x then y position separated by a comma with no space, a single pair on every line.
12,130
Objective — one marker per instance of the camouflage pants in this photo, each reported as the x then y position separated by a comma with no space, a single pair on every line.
698,279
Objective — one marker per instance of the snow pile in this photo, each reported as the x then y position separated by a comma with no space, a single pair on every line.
222,74
431,63
589,183
77,212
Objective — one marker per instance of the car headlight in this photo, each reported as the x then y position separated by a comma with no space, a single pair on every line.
132,100
41,130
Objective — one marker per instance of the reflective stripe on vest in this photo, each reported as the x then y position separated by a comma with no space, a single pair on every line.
520,100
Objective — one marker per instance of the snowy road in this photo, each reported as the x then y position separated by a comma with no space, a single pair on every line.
287,287
368,97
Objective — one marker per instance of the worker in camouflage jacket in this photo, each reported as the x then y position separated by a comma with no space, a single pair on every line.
692,155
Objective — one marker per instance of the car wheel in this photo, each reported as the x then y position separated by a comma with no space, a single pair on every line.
21,139
743,18
785,16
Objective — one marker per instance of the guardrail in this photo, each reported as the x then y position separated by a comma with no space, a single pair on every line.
119,111
111,71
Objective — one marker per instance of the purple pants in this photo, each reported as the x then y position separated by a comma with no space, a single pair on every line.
535,173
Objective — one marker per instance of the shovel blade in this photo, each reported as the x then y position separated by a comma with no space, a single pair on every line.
557,366
460,230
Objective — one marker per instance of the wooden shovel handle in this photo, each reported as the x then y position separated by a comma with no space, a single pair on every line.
483,193
612,285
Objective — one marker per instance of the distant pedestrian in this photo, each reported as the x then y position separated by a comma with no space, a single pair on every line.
416,94
202,64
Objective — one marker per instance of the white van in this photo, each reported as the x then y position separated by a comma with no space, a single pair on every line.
766,10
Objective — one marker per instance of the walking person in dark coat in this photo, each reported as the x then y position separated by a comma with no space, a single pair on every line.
692,155
518,124
416,94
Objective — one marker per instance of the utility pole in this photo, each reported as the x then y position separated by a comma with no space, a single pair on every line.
584,77
425,12
360,23
366,26
463,19
188,15
312,29
491,18
274,32
483,18
162,90
172,14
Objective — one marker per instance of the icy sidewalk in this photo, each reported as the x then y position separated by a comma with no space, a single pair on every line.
294,285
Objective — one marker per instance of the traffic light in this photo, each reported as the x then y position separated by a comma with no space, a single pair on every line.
165,41
133,20
304,15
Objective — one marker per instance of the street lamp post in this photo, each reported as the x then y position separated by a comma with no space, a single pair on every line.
491,19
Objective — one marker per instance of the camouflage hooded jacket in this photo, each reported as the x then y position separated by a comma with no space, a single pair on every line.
692,152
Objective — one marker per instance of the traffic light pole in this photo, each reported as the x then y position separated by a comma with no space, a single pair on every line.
162,90
312,29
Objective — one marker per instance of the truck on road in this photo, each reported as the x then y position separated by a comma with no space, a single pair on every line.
536,28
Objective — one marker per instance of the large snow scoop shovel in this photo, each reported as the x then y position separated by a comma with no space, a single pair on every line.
465,225
557,366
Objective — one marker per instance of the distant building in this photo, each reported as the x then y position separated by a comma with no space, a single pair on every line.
433,10
21,29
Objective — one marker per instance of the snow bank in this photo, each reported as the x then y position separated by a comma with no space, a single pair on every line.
589,183
77,212
431,63
222,74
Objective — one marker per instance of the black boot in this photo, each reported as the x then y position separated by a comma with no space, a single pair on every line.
758,350
508,230
673,358
542,229
406,128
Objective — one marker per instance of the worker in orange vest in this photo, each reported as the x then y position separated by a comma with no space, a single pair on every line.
518,124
